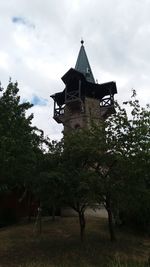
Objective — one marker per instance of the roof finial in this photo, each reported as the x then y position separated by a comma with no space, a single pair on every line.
82,42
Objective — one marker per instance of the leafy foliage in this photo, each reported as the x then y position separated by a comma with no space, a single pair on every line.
19,142
107,163
48,181
128,136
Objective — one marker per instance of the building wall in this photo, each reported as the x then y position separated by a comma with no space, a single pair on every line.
80,114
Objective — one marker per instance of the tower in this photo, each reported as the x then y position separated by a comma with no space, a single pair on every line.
83,100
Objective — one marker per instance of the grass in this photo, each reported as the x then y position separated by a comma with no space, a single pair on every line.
59,246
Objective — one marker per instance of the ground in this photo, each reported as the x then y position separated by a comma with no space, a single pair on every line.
59,245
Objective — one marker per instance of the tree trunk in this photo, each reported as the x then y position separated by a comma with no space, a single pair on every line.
29,207
110,220
40,219
82,225
53,212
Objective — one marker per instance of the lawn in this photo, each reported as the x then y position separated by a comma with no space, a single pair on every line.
59,245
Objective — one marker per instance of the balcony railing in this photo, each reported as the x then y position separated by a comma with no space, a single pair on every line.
74,95
58,114
107,102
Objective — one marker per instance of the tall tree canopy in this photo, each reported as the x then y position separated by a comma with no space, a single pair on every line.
129,134
109,163
19,142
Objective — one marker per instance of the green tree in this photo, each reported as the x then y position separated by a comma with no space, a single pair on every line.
131,138
77,175
48,182
109,163
19,142
128,140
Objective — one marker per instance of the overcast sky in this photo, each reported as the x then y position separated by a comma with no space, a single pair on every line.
40,41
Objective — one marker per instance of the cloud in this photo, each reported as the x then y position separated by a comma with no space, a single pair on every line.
4,60
117,44
43,119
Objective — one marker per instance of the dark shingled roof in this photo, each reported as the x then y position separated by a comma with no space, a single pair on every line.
83,73
88,89
83,66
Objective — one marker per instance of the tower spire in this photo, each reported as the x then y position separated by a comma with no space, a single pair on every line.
82,64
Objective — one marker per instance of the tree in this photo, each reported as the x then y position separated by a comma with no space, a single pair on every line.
48,182
128,140
19,142
76,175
131,138
109,163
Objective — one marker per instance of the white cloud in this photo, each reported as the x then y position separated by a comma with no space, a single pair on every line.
22,40
44,43
4,60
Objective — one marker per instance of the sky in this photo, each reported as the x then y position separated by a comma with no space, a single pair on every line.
40,42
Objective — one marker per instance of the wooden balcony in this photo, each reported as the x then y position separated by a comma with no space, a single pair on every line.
59,114
107,106
107,102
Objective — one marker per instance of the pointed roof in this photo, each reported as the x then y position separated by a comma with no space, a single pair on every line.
83,66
